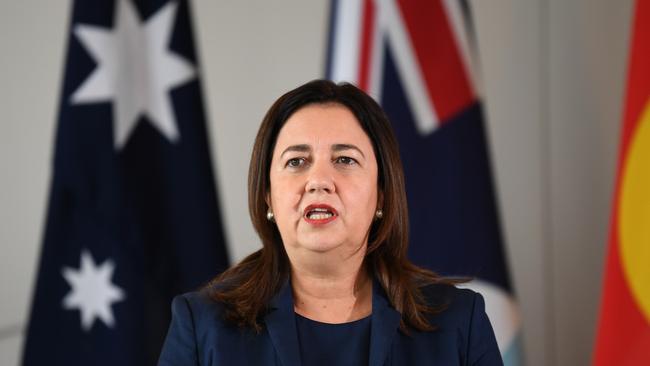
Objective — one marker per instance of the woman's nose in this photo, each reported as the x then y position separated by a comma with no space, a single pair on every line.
320,178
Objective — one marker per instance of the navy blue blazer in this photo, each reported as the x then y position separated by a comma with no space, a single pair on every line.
198,335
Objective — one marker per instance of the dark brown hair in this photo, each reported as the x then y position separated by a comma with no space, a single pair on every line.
246,289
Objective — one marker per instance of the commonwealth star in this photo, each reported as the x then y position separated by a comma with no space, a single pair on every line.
135,70
92,291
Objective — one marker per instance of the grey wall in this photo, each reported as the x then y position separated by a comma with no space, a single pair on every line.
554,75
586,63
31,50
553,79
512,54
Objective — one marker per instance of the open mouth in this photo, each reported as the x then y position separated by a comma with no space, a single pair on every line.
320,214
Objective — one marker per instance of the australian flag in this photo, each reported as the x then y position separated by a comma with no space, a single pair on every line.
418,59
133,216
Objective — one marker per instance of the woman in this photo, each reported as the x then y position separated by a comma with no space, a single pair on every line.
331,284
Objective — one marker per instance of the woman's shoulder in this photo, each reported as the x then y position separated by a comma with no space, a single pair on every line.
197,326
456,305
439,293
199,299
198,307
461,320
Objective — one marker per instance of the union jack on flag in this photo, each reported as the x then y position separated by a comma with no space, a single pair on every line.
418,59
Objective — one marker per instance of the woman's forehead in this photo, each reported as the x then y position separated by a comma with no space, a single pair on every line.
323,126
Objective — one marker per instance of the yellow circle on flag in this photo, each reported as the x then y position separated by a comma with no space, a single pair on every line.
634,215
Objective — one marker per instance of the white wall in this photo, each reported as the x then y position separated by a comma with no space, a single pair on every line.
553,73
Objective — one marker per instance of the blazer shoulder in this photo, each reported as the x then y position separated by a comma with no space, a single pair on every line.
198,300
463,313
195,319
203,309
456,306
448,296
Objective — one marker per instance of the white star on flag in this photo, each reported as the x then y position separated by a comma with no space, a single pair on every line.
92,291
135,69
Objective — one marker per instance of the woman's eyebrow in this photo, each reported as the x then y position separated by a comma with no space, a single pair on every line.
341,147
298,148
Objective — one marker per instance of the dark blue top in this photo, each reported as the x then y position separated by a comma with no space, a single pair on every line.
323,344
199,335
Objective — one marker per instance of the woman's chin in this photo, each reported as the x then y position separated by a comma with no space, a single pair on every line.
320,247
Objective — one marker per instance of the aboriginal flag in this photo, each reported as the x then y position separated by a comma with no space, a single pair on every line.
132,218
624,327
418,59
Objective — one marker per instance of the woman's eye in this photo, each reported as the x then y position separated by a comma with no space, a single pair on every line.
295,162
346,160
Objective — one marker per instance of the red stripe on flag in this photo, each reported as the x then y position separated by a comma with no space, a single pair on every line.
623,336
638,81
368,17
438,56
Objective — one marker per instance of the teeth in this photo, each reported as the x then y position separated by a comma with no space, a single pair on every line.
319,216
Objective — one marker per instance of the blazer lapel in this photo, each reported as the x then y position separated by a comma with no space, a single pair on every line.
281,325
385,322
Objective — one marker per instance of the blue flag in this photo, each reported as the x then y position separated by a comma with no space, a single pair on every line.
417,58
133,215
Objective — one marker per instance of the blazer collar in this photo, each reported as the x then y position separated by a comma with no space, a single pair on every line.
385,322
281,326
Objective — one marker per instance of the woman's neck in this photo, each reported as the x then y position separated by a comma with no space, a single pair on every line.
336,297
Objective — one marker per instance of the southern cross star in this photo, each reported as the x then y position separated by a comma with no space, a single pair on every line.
135,70
92,291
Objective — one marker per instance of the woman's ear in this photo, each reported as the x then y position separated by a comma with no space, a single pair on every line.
380,199
267,199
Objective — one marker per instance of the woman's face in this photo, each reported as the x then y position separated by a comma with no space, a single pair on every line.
323,182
